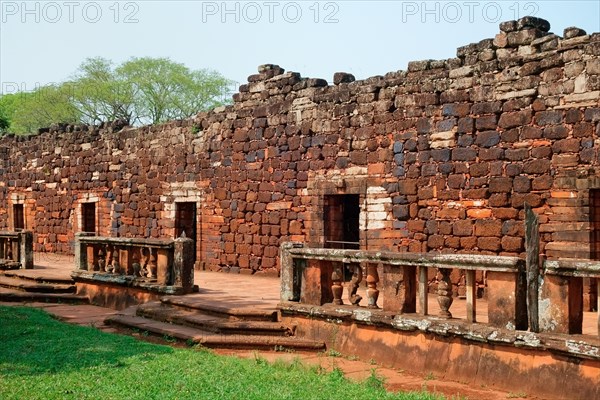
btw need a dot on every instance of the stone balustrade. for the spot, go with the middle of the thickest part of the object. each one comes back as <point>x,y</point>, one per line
<point>161,266</point>
<point>313,276</point>
<point>16,250</point>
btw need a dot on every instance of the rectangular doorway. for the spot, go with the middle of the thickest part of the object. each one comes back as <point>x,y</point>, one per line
<point>185,222</point>
<point>594,245</point>
<point>595,224</point>
<point>88,217</point>
<point>18,217</point>
<point>341,221</point>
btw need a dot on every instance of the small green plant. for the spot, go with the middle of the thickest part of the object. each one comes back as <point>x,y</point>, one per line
<point>169,338</point>
<point>337,374</point>
<point>372,361</point>
<point>195,129</point>
<point>333,353</point>
<point>517,395</point>
<point>375,381</point>
<point>260,360</point>
<point>190,342</point>
<point>430,376</point>
<point>352,358</point>
<point>145,333</point>
<point>283,349</point>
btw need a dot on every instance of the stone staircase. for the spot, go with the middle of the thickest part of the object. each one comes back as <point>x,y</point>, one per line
<point>194,320</point>
<point>23,286</point>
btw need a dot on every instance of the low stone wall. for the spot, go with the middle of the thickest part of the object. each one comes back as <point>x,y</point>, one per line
<point>545,365</point>
<point>117,273</point>
<point>16,250</point>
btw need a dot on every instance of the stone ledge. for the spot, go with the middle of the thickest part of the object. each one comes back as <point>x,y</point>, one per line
<point>579,346</point>
<point>576,268</point>
<point>126,281</point>
<point>9,264</point>
<point>161,243</point>
<point>460,261</point>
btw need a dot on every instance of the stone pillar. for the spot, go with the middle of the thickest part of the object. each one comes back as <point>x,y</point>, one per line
<point>506,300</point>
<point>399,288</point>
<point>125,255</point>
<point>316,283</point>
<point>288,292</point>
<point>163,275</point>
<point>15,248</point>
<point>26,249</point>
<point>183,264</point>
<point>81,252</point>
<point>561,304</point>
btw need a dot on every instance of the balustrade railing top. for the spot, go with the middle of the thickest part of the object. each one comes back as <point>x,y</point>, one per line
<point>462,261</point>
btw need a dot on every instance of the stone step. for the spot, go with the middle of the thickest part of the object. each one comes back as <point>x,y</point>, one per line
<point>27,285</point>
<point>36,276</point>
<point>197,336</point>
<point>224,310</point>
<point>9,265</point>
<point>164,313</point>
<point>29,297</point>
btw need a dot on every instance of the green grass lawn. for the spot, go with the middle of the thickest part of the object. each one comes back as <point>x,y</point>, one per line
<point>41,358</point>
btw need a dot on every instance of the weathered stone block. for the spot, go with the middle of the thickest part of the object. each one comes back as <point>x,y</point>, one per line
<point>399,289</point>
<point>501,185</point>
<point>515,118</point>
<point>316,283</point>
<point>561,304</point>
<point>506,300</point>
<point>462,228</point>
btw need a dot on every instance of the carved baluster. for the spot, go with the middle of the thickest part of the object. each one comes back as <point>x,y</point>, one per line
<point>357,276</point>
<point>423,290</point>
<point>110,252</point>
<point>144,264</point>
<point>445,293</point>
<point>101,263</point>
<point>372,291</point>
<point>2,247</point>
<point>116,261</point>
<point>9,250</point>
<point>471,296</point>
<point>152,265</point>
<point>336,288</point>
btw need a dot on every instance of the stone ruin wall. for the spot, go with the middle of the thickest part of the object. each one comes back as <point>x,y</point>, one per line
<point>443,156</point>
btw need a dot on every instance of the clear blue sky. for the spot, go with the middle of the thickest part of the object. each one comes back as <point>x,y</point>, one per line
<point>42,42</point>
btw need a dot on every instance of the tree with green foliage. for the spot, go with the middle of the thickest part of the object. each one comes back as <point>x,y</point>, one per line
<point>4,122</point>
<point>164,90</point>
<point>40,108</point>
<point>139,91</point>
<point>98,93</point>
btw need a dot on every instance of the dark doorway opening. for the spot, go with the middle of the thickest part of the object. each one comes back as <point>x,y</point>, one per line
<point>594,243</point>
<point>18,217</point>
<point>88,217</point>
<point>341,221</point>
<point>185,222</point>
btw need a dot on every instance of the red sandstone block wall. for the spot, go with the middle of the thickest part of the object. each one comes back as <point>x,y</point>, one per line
<point>443,157</point>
